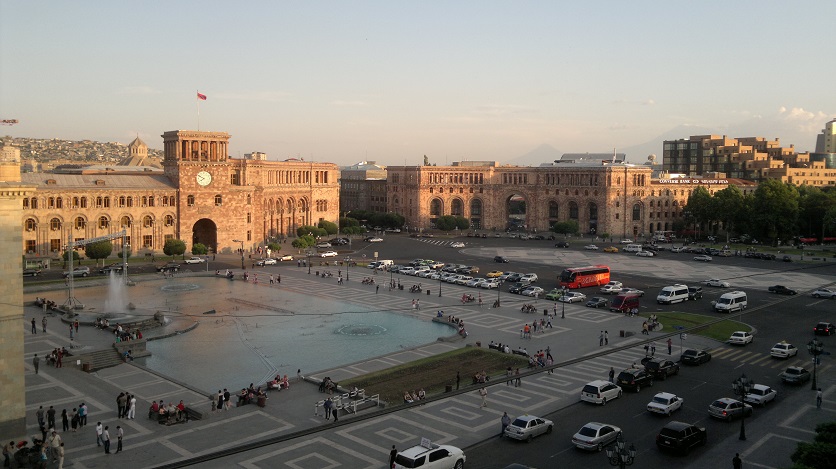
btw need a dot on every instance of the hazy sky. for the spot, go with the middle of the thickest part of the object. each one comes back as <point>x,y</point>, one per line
<point>392,81</point>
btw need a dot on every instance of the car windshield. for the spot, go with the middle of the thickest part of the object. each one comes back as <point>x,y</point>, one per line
<point>588,431</point>
<point>720,404</point>
<point>690,353</point>
<point>407,462</point>
<point>660,400</point>
<point>793,372</point>
<point>724,301</point>
<point>669,432</point>
<point>520,423</point>
<point>759,392</point>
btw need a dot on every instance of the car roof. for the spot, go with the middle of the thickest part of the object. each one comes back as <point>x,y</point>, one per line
<point>726,400</point>
<point>665,395</point>
<point>597,382</point>
<point>597,425</point>
<point>676,425</point>
<point>527,417</point>
<point>760,386</point>
<point>418,450</point>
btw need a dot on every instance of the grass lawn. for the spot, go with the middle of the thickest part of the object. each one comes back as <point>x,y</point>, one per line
<point>433,373</point>
<point>714,328</point>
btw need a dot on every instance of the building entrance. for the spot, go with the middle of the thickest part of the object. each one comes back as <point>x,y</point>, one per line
<point>516,209</point>
<point>205,232</point>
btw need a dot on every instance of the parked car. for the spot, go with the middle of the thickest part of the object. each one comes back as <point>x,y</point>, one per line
<point>494,274</point>
<point>610,249</point>
<point>434,457</point>
<point>501,259</point>
<point>323,245</point>
<point>611,288</point>
<point>457,244</point>
<point>329,254</point>
<point>782,290</point>
<point>703,258</point>
<point>115,267</point>
<point>597,302</point>
<point>634,378</point>
<point>783,350</point>
<point>727,409</point>
<point>591,247</point>
<point>661,368</point>
<point>680,437</point>
<point>526,427</point>
<point>518,288</point>
<point>80,271</point>
<point>572,297</point>
<point>595,436</point>
<point>533,291</point>
<point>561,244</point>
<point>632,291</point>
<point>554,294</point>
<point>31,272</point>
<point>267,261</point>
<point>716,282</point>
<point>645,254</point>
<point>694,357</point>
<point>741,338</point>
<point>371,239</point>
<point>824,328</point>
<point>490,283</point>
<point>694,293</point>
<point>530,278</point>
<point>627,241</point>
<point>795,375</point>
<point>286,257</point>
<point>825,293</point>
<point>600,391</point>
<point>168,267</point>
<point>195,260</point>
<point>760,394</point>
<point>665,403</point>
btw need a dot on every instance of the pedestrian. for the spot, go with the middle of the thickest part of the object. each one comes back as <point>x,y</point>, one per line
<point>418,304</point>
<point>334,414</point>
<point>61,456</point>
<point>271,279</point>
<point>132,407</point>
<point>376,289</point>
<point>504,421</point>
<point>121,400</point>
<point>99,431</point>
<point>606,337</point>
<point>517,380</point>
<point>106,440</point>
<point>392,455</point>
<point>646,350</point>
<point>612,375</point>
<point>484,393</point>
<point>227,400</point>
<point>71,332</point>
<point>82,415</point>
<point>652,349</point>
<point>76,326</point>
<point>458,378</point>
<point>220,404</point>
<point>509,373</point>
<point>279,278</point>
<point>736,462</point>
<point>36,362</point>
<point>328,405</point>
<point>65,420</point>
<point>54,443</point>
<point>119,434</point>
<point>670,345</point>
<point>818,399</point>
<point>601,339</point>
<point>74,420</point>
<point>40,415</point>
<point>43,324</point>
<point>50,417</point>
<point>34,327</point>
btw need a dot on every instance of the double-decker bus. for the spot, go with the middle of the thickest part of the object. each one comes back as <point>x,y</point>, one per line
<point>579,277</point>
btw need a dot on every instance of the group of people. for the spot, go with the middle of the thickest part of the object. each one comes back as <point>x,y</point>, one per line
<point>279,383</point>
<point>167,413</point>
<point>250,395</point>
<point>541,359</point>
<point>650,325</point>
<point>56,356</point>
<point>481,377</point>
<point>327,385</point>
<point>415,396</point>
<point>41,302</point>
<point>126,405</point>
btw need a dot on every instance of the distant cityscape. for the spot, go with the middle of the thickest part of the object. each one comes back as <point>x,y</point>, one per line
<point>43,154</point>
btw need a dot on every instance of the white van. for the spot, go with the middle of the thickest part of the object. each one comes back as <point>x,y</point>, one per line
<point>673,294</point>
<point>633,248</point>
<point>731,301</point>
<point>382,265</point>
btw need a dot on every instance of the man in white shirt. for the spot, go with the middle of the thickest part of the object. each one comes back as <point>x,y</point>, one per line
<point>132,407</point>
<point>99,434</point>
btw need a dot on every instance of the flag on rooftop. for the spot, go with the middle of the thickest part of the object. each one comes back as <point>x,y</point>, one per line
<point>201,97</point>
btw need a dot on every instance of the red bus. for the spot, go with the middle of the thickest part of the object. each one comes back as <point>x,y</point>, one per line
<point>579,277</point>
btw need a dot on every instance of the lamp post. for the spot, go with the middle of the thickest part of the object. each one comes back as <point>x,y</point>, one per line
<point>621,456</point>
<point>563,300</point>
<point>242,251</point>
<point>498,291</point>
<point>347,266</point>
<point>309,261</point>
<point>741,387</point>
<point>439,286</point>
<point>815,347</point>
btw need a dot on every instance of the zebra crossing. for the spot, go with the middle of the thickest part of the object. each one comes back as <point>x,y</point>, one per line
<point>761,359</point>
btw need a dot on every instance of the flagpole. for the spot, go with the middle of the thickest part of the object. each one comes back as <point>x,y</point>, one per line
<point>197,98</point>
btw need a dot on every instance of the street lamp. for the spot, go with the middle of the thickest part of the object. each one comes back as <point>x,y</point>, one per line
<point>242,251</point>
<point>309,261</point>
<point>347,267</point>
<point>498,291</point>
<point>816,348</point>
<point>621,456</point>
<point>563,300</point>
<point>741,387</point>
<point>439,286</point>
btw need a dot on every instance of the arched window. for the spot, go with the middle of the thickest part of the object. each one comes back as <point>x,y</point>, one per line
<point>144,201</point>
<point>573,210</point>
<point>249,199</point>
<point>31,224</point>
<point>190,201</point>
<point>99,202</point>
<point>456,208</point>
<point>34,203</point>
<point>637,212</point>
<point>55,224</point>
<point>84,202</point>
<point>169,220</point>
<point>147,221</point>
<point>104,223</point>
<point>435,208</point>
<point>126,222</point>
<point>219,200</point>
<point>59,203</point>
<point>80,223</point>
<point>25,203</point>
<point>130,201</point>
<point>107,202</point>
<point>476,208</point>
<point>122,200</point>
<point>553,209</point>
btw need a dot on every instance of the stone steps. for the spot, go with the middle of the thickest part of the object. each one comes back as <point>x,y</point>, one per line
<point>99,359</point>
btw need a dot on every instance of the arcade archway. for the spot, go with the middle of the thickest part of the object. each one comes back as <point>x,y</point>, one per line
<point>205,232</point>
<point>515,207</point>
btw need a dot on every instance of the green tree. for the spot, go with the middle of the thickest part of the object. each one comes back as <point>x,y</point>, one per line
<point>76,255</point>
<point>174,247</point>
<point>99,250</point>
<point>199,249</point>
<point>303,242</point>
<point>774,210</point>
<point>814,204</point>
<point>329,227</point>
<point>819,454</point>
<point>314,231</point>
<point>275,247</point>
<point>446,223</point>
<point>346,222</point>
<point>729,206</point>
<point>566,227</point>
<point>604,236</point>
<point>699,205</point>
<point>462,223</point>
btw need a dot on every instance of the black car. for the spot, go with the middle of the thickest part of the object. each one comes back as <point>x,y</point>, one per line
<point>695,357</point>
<point>661,368</point>
<point>824,328</point>
<point>597,302</point>
<point>782,290</point>
<point>538,237</point>
<point>561,244</point>
<point>694,293</point>
<point>116,267</point>
<point>513,278</point>
<point>680,436</point>
<point>500,259</point>
<point>31,272</point>
<point>518,287</point>
<point>634,378</point>
<point>170,267</point>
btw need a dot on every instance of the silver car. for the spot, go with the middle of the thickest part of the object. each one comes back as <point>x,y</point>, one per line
<point>595,436</point>
<point>526,427</point>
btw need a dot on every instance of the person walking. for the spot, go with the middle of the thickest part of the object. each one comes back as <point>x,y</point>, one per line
<point>74,420</point>
<point>818,398</point>
<point>392,455</point>
<point>652,349</point>
<point>119,434</point>
<point>65,420</point>
<point>328,405</point>
<point>82,415</point>
<point>670,345</point>
<point>76,326</point>
<point>36,362</point>
<point>484,393</point>
<point>504,421</point>
<point>227,400</point>
<point>509,373</point>
<point>54,444</point>
<point>34,327</point>
<point>376,289</point>
<point>612,374</point>
<point>517,380</point>
<point>43,323</point>
<point>737,463</point>
<point>99,431</point>
<point>601,339</point>
<point>458,379</point>
<point>106,439</point>
<point>71,332</point>
<point>606,337</point>
<point>132,407</point>
<point>50,417</point>
<point>40,415</point>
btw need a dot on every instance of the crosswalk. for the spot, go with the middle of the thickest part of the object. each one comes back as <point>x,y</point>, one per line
<point>762,359</point>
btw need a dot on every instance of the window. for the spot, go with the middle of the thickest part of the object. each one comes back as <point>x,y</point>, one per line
<point>55,224</point>
<point>34,203</point>
<point>249,199</point>
<point>190,201</point>
<point>249,217</point>
<point>31,224</point>
<point>169,220</point>
<point>435,207</point>
<point>637,212</point>
<point>25,203</point>
<point>553,209</point>
<point>107,202</point>
<point>130,201</point>
<point>59,203</point>
<point>573,210</point>
<point>121,202</point>
<point>54,245</point>
<point>126,222</point>
<point>476,208</point>
<point>104,223</point>
<point>147,241</point>
<point>219,200</point>
<point>249,235</point>
<point>80,223</point>
<point>144,201</point>
<point>147,221</point>
<point>30,246</point>
<point>99,202</point>
<point>84,202</point>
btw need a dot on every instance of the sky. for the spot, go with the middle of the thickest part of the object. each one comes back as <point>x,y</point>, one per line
<point>392,81</point>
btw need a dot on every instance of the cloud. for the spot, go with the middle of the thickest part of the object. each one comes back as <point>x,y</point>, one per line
<point>803,120</point>
<point>502,110</point>
<point>263,96</point>
<point>141,90</point>
<point>644,102</point>
<point>648,102</point>
<point>618,127</point>
<point>349,103</point>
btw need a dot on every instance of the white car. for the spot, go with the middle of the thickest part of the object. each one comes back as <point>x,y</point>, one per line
<point>783,350</point>
<point>716,282</point>
<point>632,291</point>
<point>572,297</point>
<point>286,257</point>
<point>665,403</point>
<point>627,241</point>
<point>591,247</point>
<point>323,245</point>
<point>678,249</point>
<point>595,436</point>
<point>526,427</point>
<point>195,260</point>
<point>528,278</point>
<point>268,261</point>
<point>533,291</point>
<point>612,288</point>
<point>457,244</point>
<point>760,394</point>
<point>434,457</point>
<point>741,338</point>
<point>329,254</point>
<point>703,258</point>
<point>600,391</point>
<point>490,283</point>
<point>825,293</point>
<point>645,254</point>
<point>375,240</point>
<point>474,282</point>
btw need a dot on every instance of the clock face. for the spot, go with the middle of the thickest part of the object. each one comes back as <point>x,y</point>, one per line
<point>204,178</point>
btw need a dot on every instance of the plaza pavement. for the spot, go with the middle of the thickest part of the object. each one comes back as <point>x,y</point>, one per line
<point>357,441</point>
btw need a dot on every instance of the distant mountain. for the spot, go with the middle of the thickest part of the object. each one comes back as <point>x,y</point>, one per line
<point>544,153</point>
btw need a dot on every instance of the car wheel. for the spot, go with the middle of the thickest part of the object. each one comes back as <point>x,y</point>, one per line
<point>816,295</point>
<point>84,274</point>
<point>604,401</point>
<point>619,393</point>
<point>600,447</point>
<point>549,430</point>
<point>459,464</point>
<point>664,376</point>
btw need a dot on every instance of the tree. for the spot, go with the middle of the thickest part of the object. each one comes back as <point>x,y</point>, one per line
<point>329,227</point>
<point>818,454</point>
<point>566,227</point>
<point>199,249</point>
<point>76,255</point>
<point>303,242</point>
<point>346,222</point>
<point>314,231</point>
<point>174,247</point>
<point>699,206</point>
<point>729,206</point>
<point>100,250</point>
<point>462,223</point>
<point>775,210</point>
<point>814,204</point>
<point>446,223</point>
<point>604,236</point>
<point>275,247</point>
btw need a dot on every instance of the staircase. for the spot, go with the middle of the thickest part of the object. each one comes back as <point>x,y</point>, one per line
<point>99,359</point>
